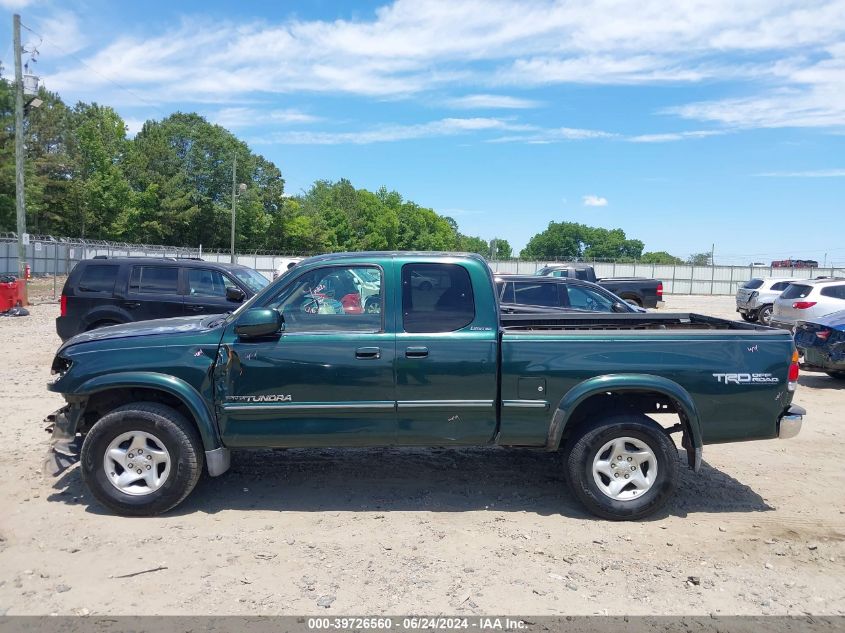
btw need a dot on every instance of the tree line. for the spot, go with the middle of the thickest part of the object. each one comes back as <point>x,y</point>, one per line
<point>172,184</point>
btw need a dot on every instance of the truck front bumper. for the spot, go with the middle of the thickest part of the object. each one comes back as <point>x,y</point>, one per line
<point>65,445</point>
<point>789,424</point>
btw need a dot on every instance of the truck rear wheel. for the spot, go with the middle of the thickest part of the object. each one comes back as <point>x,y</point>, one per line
<point>623,468</point>
<point>142,459</point>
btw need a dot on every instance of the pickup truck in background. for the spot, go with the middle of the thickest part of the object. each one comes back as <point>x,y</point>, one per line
<point>428,364</point>
<point>644,292</point>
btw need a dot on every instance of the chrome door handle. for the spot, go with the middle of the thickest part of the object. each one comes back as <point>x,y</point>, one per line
<point>416,352</point>
<point>365,353</point>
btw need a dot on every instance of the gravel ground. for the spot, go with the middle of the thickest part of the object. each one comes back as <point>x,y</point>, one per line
<point>759,531</point>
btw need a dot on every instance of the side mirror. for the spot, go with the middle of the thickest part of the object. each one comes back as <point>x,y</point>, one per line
<point>259,322</point>
<point>235,294</point>
<point>619,307</point>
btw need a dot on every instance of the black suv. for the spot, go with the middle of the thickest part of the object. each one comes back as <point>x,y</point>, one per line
<point>113,290</point>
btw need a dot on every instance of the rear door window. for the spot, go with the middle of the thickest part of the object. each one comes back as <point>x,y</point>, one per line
<point>98,278</point>
<point>536,294</point>
<point>445,305</point>
<point>781,285</point>
<point>154,280</point>
<point>796,291</point>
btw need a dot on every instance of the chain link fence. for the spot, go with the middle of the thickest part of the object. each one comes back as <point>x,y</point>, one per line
<point>50,256</point>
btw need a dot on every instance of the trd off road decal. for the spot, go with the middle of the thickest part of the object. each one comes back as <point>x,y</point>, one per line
<point>278,397</point>
<point>746,379</point>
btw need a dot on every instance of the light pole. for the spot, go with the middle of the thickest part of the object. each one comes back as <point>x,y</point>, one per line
<point>236,190</point>
<point>20,201</point>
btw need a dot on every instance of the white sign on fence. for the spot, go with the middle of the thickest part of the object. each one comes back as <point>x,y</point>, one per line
<point>38,246</point>
<point>25,239</point>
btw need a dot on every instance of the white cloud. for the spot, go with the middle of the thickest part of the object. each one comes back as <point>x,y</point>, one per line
<point>492,102</point>
<point>818,173</point>
<point>673,136</point>
<point>392,133</point>
<point>61,32</point>
<point>787,57</point>
<point>540,136</point>
<point>594,201</point>
<point>243,117</point>
<point>13,5</point>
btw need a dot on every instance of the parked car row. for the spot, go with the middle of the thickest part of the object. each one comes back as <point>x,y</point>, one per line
<point>646,293</point>
<point>813,309</point>
<point>105,291</point>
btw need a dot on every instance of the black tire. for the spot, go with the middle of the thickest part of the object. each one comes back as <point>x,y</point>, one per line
<point>748,318</point>
<point>764,315</point>
<point>838,375</point>
<point>170,428</point>
<point>582,449</point>
<point>635,300</point>
<point>99,324</point>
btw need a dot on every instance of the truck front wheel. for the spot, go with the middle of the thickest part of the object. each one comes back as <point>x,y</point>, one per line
<point>623,468</point>
<point>142,459</point>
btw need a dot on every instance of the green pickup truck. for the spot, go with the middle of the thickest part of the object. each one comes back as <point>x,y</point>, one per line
<point>410,349</point>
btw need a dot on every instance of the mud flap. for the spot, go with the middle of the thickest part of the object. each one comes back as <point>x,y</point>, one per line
<point>65,445</point>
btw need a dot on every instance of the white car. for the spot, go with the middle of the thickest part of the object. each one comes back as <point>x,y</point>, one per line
<point>756,297</point>
<point>286,265</point>
<point>808,299</point>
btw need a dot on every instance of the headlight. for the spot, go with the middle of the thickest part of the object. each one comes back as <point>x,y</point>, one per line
<point>60,365</point>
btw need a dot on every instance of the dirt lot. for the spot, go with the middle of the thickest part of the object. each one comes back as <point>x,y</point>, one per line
<point>759,530</point>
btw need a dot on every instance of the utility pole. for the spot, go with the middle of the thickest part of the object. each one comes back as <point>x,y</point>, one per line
<point>20,202</point>
<point>234,194</point>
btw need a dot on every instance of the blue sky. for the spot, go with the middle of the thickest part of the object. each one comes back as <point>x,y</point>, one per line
<point>708,123</point>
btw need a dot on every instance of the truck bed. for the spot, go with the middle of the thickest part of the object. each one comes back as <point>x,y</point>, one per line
<point>546,322</point>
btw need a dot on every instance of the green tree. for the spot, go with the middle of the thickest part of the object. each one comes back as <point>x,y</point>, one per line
<point>180,169</point>
<point>501,248</point>
<point>570,240</point>
<point>660,257</point>
<point>97,149</point>
<point>471,244</point>
<point>699,259</point>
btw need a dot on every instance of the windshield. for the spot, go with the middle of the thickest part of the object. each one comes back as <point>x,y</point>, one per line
<point>753,284</point>
<point>253,279</point>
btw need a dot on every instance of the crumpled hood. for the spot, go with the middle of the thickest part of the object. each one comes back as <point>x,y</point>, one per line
<point>176,325</point>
